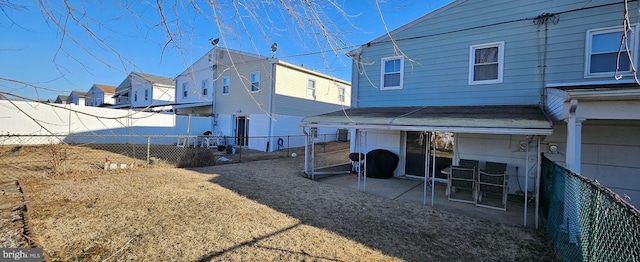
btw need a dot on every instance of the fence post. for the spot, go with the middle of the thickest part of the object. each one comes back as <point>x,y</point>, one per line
<point>324,144</point>
<point>148,149</point>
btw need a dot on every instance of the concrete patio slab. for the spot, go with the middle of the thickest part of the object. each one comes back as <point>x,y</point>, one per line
<point>411,189</point>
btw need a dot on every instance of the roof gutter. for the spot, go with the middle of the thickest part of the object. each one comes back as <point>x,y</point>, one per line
<point>618,94</point>
<point>468,130</point>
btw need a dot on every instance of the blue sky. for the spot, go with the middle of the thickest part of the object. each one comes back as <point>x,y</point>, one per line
<point>129,37</point>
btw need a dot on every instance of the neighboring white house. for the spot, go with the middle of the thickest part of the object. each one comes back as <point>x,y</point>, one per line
<point>61,99</point>
<point>100,95</point>
<point>237,88</point>
<point>144,92</point>
<point>76,98</point>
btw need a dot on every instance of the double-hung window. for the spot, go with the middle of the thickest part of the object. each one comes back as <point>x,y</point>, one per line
<point>205,87</point>
<point>392,73</point>
<point>311,88</point>
<point>185,90</point>
<point>135,96</point>
<point>225,85</point>
<point>255,82</point>
<point>146,94</point>
<point>606,53</point>
<point>486,63</point>
<point>341,94</point>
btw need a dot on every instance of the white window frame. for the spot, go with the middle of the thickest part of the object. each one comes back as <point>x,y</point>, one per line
<point>255,85</point>
<point>185,88</point>
<point>226,85</point>
<point>382,73</point>
<point>632,36</point>
<point>341,94</point>
<point>205,87</point>
<point>472,56</point>
<point>313,89</point>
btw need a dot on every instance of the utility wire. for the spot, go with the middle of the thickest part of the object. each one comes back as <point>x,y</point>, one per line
<point>488,25</point>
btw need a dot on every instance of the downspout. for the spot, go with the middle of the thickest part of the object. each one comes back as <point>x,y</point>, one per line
<point>306,151</point>
<point>272,84</point>
<point>214,95</point>
<point>544,18</point>
<point>355,82</point>
<point>175,94</point>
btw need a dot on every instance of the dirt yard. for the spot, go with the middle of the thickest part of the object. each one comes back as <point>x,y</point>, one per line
<point>252,210</point>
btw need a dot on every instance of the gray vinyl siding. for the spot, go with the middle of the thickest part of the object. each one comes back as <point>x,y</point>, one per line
<point>240,98</point>
<point>610,150</point>
<point>436,67</point>
<point>293,106</point>
<point>291,99</point>
<point>554,107</point>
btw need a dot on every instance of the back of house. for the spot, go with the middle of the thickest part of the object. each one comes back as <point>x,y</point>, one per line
<point>474,62</point>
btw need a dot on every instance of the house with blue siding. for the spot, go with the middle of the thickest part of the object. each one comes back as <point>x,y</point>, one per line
<point>100,95</point>
<point>76,98</point>
<point>503,81</point>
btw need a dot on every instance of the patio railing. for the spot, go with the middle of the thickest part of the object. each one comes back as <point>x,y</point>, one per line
<point>585,221</point>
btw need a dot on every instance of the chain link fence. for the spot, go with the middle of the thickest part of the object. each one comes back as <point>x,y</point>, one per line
<point>586,221</point>
<point>41,155</point>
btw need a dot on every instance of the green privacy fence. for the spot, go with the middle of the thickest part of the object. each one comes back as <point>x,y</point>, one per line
<point>585,221</point>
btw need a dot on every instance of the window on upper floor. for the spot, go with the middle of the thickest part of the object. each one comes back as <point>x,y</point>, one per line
<point>341,94</point>
<point>135,96</point>
<point>146,94</point>
<point>185,90</point>
<point>311,88</point>
<point>205,87</point>
<point>605,51</point>
<point>255,82</point>
<point>486,63</point>
<point>392,73</point>
<point>225,85</point>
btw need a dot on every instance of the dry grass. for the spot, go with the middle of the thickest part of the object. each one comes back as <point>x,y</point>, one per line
<point>19,162</point>
<point>262,210</point>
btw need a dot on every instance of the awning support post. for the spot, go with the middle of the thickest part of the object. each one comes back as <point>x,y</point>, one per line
<point>427,148</point>
<point>538,173</point>
<point>312,133</point>
<point>364,184</point>
<point>433,170</point>
<point>526,183</point>
<point>359,151</point>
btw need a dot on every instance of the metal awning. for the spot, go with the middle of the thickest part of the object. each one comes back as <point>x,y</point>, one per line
<point>123,92</point>
<point>501,119</point>
<point>188,105</point>
<point>498,119</point>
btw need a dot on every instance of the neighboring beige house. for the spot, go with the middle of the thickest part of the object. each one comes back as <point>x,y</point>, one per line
<point>256,100</point>
<point>144,92</point>
<point>100,95</point>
